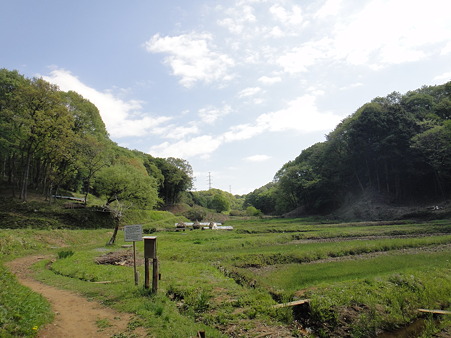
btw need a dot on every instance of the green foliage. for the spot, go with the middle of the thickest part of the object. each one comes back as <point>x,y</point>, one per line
<point>220,203</point>
<point>126,183</point>
<point>196,213</point>
<point>65,253</point>
<point>152,220</point>
<point>54,140</point>
<point>177,178</point>
<point>397,146</point>
<point>216,199</point>
<point>252,211</point>
<point>263,199</point>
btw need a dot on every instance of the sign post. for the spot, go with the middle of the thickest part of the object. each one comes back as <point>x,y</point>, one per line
<point>134,233</point>
<point>150,252</point>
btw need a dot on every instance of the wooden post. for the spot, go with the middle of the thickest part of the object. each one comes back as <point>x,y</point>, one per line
<point>134,263</point>
<point>133,233</point>
<point>146,273</point>
<point>155,275</point>
<point>150,252</point>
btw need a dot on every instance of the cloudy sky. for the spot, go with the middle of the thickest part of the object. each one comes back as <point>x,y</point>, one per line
<point>235,87</point>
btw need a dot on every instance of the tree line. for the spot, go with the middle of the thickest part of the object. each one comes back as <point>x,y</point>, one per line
<point>398,146</point>
<point>52,141</point>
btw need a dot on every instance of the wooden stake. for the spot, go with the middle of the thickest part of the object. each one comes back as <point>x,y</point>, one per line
<point>439,312</point>
<point>155,275</point>
<point>134,263</point>
<point>146,273</point>
<point>296,302</point>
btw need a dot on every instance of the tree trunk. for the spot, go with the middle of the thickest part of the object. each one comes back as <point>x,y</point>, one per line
<point>113,237</point>
<point>24,188</point>
<point>358,180</point>
<point>439,184</point>
<point>387,178</point>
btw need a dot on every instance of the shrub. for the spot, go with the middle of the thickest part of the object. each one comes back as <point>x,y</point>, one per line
<point>65,254</point>
<point>196,213</point>
<point>253,211</point>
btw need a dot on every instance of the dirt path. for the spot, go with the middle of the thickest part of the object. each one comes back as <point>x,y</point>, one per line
<point>75,316</point>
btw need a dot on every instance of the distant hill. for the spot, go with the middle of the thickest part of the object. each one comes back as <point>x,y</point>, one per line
<point>394,150</point>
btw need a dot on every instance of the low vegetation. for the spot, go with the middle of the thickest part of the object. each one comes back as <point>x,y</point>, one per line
<point>22,312</point>
<point>362,278</point>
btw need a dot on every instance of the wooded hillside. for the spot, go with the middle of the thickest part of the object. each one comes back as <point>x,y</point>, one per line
<point>398,146</point>
<point>52,140</point>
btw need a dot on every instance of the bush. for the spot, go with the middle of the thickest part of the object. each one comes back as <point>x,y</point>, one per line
<point>253,211</point>
<point>65,254</point>
<point>196,213</point>
<point>237,213</point>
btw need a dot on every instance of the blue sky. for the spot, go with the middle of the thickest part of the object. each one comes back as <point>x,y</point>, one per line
<point>238,87</point>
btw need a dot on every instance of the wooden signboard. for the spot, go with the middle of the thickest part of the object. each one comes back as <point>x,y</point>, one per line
<point>134,233</point>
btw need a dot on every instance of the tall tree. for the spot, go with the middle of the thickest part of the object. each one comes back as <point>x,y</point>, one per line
<point>177,178</point>
<point>93,155</point>
<point>44,125</point>
<point>125,186</point>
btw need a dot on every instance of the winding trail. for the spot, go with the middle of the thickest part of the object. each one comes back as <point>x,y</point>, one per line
<point>75,316</point>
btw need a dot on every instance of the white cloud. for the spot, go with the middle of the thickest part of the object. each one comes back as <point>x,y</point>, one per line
<point>298,59</point>
<point>443,77</point>
<point>269,80</point>
<point>177,132</point>
<point>300,114</point>
<point>277,32</point>
<point>287,17</point>
<point>257,158</point>
<point>388,32</point>
<point>242,132</point>
<point>122,118</point>
<point>210,114</point>
<point>238,17</point>
<point>198,146</point>
<point>250,91</point>
<point>191,57</point>
<point>330,8</point>
<point>352,85</point>
<point>446,49</point>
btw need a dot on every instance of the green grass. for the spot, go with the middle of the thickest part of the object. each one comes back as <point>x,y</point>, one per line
<point>307,252</point>
<point>294,277</point>
<point>229,280</point>
<point>157,312</point>
<point>380,303</point>
<point>18,242</point>
<point>22,312</point>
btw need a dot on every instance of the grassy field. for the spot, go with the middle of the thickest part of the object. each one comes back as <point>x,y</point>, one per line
<point>361,278</point>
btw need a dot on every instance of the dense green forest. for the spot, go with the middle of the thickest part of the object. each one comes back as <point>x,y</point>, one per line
<point>53,141</point>
<point>398,146</point>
